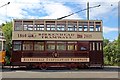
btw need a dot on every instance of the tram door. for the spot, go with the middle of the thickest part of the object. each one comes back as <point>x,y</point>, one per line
<point>96,54</point>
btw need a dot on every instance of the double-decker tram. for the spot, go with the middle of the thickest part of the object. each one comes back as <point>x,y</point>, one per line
<point>47,43</point>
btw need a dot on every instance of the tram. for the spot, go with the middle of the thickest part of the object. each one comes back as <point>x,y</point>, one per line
<point>47,43</point>
<point>2,48</point>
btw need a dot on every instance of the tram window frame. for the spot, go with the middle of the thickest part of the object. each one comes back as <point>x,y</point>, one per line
<point>69,48</point>
<point>59,44</point>
<point>18,26</point>
<point>28,27</point>
<point>93,46</point>
<point>17,43</point>
<point>28,46</point>
<point>83,48</point>
<point>41,46</point>
<point>98,28</point>
<point>97,46</point>
<point>90,46</point>
<point>50,27</point>
<point>101,47</point>
<point>80,28</point>
<point>50,43</point>
<point>70,28</point>
<point>85,28</point>
<point>91,28</point>
<point>60,27</point>
<point>39,27</point>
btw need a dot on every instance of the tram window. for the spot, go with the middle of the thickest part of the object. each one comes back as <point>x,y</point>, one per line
<point>97,46</point>
<point>97,27</point>
<point>28,27</point>
<point>70,28</point>
<point>70,46</point>
<point>85,28</point>
<point>90,46</point>
<point>75,47</point>
<point>80,28</point>
<point>61,47</point>
<point>17,46</point>
<point>100,46</point>
<point>39,46</point>
<point>83,48</point>
<point>18,25</point>
<point>93,46</point>
<point>39,27</point>
<point>91,28</point>
<point>60,27</point>
<point>50,46</point>
<point>27,46</point>
<point>50,27</point>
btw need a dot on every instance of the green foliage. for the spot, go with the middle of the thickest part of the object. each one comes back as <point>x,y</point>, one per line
<point>111,52</point>
<point>7,31</point>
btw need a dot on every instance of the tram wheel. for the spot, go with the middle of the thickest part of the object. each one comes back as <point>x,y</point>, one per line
<point>43,66</point>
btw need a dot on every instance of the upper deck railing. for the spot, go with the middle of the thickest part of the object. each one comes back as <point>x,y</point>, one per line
<point>54,25</point>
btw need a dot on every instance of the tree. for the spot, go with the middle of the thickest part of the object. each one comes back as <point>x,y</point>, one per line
<point>111,53</point>
<point>105,41</point>
<point>7,31</point>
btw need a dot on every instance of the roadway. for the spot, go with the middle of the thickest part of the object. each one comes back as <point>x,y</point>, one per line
<point>107,72</point>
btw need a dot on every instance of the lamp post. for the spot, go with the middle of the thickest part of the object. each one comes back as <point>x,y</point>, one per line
<point>4,4</point>
<point>6,8</point>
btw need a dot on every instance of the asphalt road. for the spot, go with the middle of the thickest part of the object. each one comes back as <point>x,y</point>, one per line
<point>107,72</point>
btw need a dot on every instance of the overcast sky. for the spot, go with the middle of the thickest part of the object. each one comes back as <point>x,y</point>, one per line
<point>53,9</point>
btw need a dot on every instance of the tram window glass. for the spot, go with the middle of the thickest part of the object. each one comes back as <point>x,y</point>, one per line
<point>39,27</point>
<point>75,47</point>
<point>80,28</point>
<point>97,27</point>
<point>90,46</point>
<point>39,46</point>
<point>70,28</point>
<point>18,26</point>
<point>100,46</point>
<point>50,27</point>
<point>93,46</point>
<point>85,28</point>
<point>70,46</point>
<point>28,27</point>
<point>91,28</point>
<point>83,48</point>
<point>97,46</point>
<point>60,27</point>
<point>50,46</point>
<point>17,46</point>
<point>61,45</point>
<point>27,46</point>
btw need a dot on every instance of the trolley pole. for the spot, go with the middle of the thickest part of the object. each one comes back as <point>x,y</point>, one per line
<point>87,10</point>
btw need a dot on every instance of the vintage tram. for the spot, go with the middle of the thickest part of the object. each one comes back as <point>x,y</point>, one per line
<point>47,43</point>
<point>2,48</point>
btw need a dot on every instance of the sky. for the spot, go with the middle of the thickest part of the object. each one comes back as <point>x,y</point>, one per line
<point>53,9</point>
